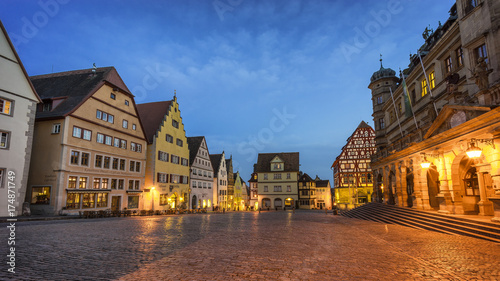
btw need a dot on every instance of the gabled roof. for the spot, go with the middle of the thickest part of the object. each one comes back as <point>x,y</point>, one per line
<point>291,160</point>
<point>305,178</point>
<point>194,144</point>
<point>361,125</point>
<point>322,183</point>
<point>152,116</point>
<point>75,87</point>
<point>18,61</point>
<point>216,160</point>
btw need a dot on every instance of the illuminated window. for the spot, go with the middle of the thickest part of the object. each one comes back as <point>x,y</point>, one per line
<point>40,195</point>
<point>73,201</point>
<point>432,80</point>
<point>97,183</point>
<point>424,87</point>
<point>82,183</point>
<point>72,182</point>
<point>102,200</point>
<point>88,200</point>
<point>5,106</point>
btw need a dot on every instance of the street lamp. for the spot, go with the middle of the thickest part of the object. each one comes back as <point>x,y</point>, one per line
<point>473,151</point>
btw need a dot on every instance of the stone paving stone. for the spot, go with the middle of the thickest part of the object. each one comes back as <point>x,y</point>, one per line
<point>306,245</point>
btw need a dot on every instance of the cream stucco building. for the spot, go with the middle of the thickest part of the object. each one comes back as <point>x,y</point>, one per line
<point>277,179</point>
<point>18,100</point>
<point>89,148</point>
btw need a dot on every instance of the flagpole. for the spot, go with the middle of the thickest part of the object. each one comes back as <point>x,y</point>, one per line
<point>427,80</point>
<point>405,89</point>
<point>396,110</point>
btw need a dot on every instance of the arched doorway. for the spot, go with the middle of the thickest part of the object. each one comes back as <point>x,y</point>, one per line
<point>194,202</point>
<point>433,186</point>
<point>278,203</point>
<point>266,203</point>
<point>289,202</point>
<point>471,191</point>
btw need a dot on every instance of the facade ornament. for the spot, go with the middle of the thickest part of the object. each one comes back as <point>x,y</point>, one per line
<point>481,73</point>
<point>427,33</point>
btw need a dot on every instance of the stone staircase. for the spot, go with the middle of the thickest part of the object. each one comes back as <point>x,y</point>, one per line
<point>426,220</point>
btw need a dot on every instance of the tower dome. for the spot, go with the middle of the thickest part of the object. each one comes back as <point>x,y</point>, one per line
<point>382,72</point>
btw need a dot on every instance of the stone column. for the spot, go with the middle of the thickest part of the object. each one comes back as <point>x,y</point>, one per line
<point>445,202</point>
<point>420,185</point>
<point>485,205</point>
<point>403,184</point>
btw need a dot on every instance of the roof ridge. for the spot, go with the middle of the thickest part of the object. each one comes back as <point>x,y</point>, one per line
<point>77,71</point>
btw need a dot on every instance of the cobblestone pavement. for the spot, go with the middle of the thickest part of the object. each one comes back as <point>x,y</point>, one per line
<point>243,246</point>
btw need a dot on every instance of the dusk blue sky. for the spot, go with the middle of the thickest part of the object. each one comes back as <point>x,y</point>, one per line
<point>251,76</point>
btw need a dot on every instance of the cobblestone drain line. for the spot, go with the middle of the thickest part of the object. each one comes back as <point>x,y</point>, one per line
<point>418,260</point>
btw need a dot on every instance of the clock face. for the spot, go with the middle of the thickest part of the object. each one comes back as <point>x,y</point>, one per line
<point>457,119</point>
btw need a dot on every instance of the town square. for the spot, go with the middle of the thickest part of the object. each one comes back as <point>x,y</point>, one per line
<point>271,245</point>
<point>250,140</point>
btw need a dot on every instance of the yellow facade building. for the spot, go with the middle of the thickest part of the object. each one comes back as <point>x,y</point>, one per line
<point>89,148</point>
<point>167,167</point>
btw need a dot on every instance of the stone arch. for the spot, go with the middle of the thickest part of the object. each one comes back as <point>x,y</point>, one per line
<point>465,203</point>
<point>278,203</point>
<point>194,202</point>
<point>266,203</point>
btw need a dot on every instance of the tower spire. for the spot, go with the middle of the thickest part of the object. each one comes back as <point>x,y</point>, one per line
<point>381,61</point>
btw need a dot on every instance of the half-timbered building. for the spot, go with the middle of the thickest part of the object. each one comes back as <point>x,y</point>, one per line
<point>352,174</point>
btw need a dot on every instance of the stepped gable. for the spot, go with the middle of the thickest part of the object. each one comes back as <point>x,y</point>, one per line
<point>152,116</point>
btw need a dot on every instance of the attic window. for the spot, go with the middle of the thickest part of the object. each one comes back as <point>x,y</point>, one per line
<point>113,96</point>
<point>126,102</point>
<point>47,106</point>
